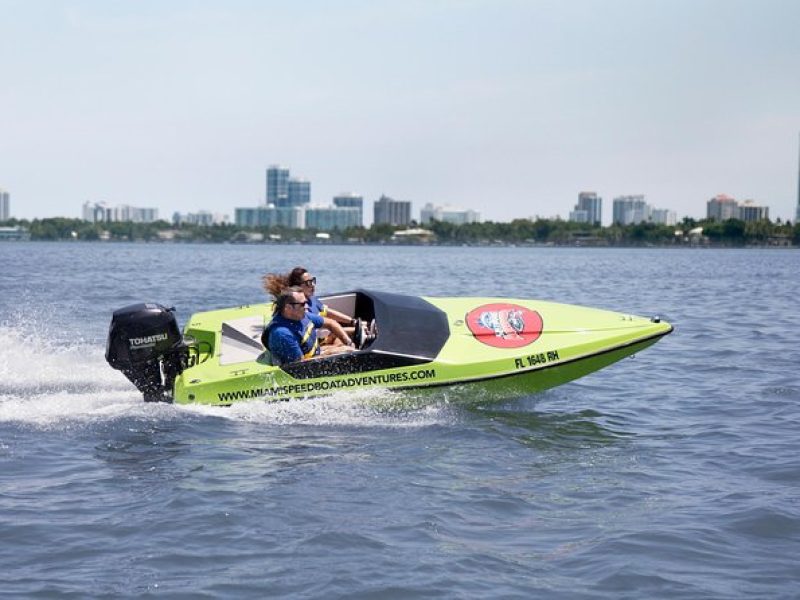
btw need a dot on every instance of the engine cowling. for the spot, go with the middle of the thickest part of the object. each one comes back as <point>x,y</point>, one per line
<point>145,343</point>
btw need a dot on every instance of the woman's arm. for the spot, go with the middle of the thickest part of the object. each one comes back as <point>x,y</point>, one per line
<point>340,317</point>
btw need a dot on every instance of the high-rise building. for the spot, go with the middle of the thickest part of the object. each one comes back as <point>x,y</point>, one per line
<point>288,205</point>
<point>392,212</point>
<point>291,217</point>
<point>578,216</point>
<point>203,218</point>
<point>350,200</point>
<point>448,214</point>
<point>721,208</point>
<point>663,216</point>
<point>277,185</point>
<point>329,218</point>
<point>589,209</point>
<point>299,193</point>
<point>750,212</point>
<point>94,212</point>
<point>5,206</point>
<point>100,212</point>
<point>628,210</point>
<point>284,191</point>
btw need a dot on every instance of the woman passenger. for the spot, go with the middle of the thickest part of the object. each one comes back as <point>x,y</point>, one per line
<point>274,284</point>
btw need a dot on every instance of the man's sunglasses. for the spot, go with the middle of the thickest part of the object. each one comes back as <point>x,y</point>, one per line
<point>296,303</point>
<point>311,281</point>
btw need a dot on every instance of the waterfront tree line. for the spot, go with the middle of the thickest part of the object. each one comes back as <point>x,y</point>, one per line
<point>731,233</point>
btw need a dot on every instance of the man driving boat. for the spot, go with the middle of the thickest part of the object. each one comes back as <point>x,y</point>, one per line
<point>291,335</point>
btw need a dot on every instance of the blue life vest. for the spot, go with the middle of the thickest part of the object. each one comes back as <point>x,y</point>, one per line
<point>315,307</point>
<point>289,341</point>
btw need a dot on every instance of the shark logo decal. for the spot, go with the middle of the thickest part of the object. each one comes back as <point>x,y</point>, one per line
<point>504,325</point>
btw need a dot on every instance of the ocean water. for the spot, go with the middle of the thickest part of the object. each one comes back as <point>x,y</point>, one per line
<point>675,474</point>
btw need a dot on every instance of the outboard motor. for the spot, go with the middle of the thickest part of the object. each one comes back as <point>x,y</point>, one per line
<point>144,342</point>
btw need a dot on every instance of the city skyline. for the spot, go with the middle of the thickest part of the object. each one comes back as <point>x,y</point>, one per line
<point>278,178</point>
<point>287,202</point>
<point>181,107</point>
<point>346,210</point>
<point>626,210</point>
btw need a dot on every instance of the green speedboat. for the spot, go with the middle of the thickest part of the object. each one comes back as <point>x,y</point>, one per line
<point>506,345</point>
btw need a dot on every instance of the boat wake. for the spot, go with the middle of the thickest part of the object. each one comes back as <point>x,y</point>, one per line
<point>362,408</point>
<point>47,385</point>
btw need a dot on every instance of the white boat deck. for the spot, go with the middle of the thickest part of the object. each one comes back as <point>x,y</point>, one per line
<point>241,340</point>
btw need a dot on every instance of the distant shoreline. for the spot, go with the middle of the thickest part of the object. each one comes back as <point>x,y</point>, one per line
<point>676,246</point>
<point>732,233</point>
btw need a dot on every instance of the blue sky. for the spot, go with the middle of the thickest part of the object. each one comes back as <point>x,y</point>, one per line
<point>507,107</point>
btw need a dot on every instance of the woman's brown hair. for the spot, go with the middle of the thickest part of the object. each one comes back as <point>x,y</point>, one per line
<point>274,283</point>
